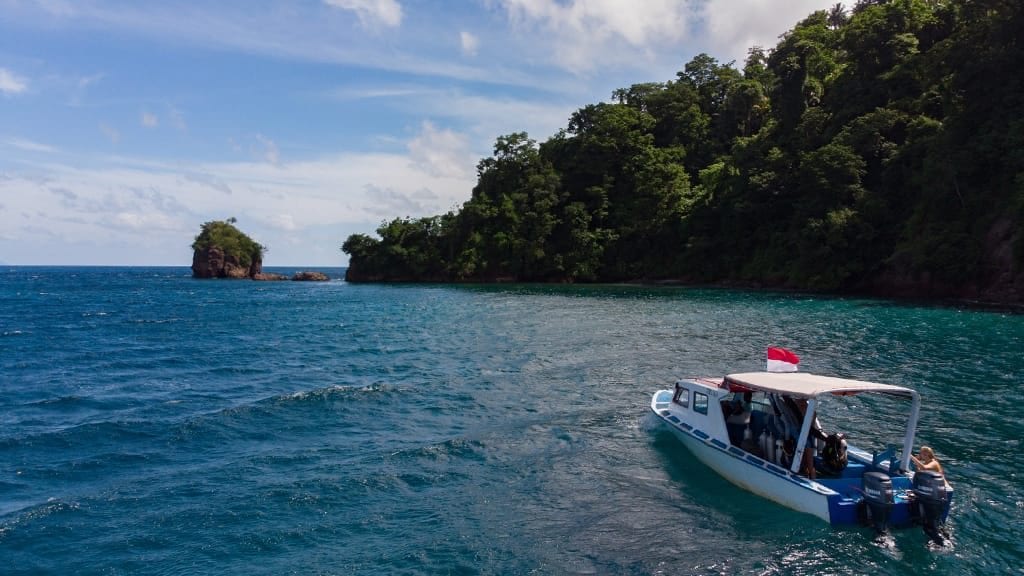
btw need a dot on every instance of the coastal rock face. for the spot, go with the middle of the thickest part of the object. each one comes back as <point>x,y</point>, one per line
<point>306,276</point>
<point>213,263</point>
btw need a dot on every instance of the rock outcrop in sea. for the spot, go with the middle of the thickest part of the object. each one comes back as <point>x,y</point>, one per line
<point>212,262</point>
<point>223,251</point>
<point>308,276</point>
<point>269,277</point>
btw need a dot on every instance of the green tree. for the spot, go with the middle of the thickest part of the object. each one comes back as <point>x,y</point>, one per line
<point>878,147</point>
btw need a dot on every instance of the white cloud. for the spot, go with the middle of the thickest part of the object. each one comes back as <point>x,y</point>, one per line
<point>78,88</point>
<point>303,31</point>
<point>388,203</point>
<point>118,210</point>
<point>177,119</point>
<point>638,24</point>
<point>470,43</point>
<point>266,149</point>
<point>146,222</point>
<point>486,118</point>
<point>350,93</point>
<point>282,222</point>
<point>149,120</point>
<point>372,13</point>
<point>481,118</point>
<point>441,153</point>
<point>111,133</point>
<point>209,180</point>
<point>29,145</point>
<point>583,36</point>
<point>86,81</point>
<point>11,83</point>
<point>57,7</point>
<point>737,25</point>
<point>588,34</point>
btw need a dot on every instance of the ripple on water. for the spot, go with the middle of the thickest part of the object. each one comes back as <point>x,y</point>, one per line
<point>228,427</point>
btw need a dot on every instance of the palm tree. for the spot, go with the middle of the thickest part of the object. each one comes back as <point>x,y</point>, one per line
<point>837,16</point>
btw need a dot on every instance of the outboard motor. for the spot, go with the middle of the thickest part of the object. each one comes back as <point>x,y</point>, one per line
<point>878,497</point>
<point>931,497</point>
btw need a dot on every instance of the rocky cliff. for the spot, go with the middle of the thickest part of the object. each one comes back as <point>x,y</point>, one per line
<point>223,251</point>
<point>212,262</point>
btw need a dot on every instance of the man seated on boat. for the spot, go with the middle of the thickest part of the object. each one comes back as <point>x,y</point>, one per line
<point>815,433</point>
<point>737,416</point>
<point>792,411</point>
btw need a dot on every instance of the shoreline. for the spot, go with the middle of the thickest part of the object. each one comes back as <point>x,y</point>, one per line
<point>971,303</point>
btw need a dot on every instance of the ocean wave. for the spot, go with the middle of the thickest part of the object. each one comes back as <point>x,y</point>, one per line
<point>59,401</point>
<point>458,448</point>
<point>34,512</point>
<point>264,418</point>
<point>151,320</point>
<point>340,391</point>
<point>83,434</point>
<point>224,370</point>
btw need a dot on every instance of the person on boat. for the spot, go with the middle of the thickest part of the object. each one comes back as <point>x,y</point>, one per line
<point>926,460</point>
<point>815,433</point>
<point>738,417</point>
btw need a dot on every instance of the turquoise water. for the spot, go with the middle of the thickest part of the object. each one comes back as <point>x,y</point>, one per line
<point>155,424</point>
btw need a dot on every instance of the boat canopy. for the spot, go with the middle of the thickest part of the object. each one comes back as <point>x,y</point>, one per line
<point>804,385</point>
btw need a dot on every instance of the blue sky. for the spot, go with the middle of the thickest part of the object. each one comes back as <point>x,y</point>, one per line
<point>125,124</point>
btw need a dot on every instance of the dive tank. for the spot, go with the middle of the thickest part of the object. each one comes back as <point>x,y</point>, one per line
<point>931,497</point>
<point>878,497</point>
<point>778,451</point>
<point>762,442</point>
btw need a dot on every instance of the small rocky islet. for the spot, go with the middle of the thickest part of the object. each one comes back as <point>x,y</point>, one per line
<point>223,251</point>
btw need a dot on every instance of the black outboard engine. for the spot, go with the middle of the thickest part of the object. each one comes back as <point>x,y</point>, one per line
<point>931,497</point>
<point>878,497</point>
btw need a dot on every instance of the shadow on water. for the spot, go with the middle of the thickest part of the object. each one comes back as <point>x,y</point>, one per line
<point>777,540</point>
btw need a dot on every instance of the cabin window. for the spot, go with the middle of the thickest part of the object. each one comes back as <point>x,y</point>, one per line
<point>682,396</point>
<point>700,403</point>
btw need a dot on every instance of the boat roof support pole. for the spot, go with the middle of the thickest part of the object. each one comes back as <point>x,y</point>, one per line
<point>805,428</point>
<point>908,440</point>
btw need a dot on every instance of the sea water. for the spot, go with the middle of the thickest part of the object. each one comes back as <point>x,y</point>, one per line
<point>151,423</point>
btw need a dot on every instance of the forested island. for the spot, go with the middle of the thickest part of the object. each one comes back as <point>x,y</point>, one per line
<point>875,150</point>
<point>221,250</point>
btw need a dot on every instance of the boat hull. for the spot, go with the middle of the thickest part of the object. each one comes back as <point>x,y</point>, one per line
<point>746,470</point>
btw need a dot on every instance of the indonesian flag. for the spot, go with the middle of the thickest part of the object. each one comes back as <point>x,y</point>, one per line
<point>781,360</point>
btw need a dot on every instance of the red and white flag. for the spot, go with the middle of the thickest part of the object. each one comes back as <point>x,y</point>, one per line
<point>781,360</point>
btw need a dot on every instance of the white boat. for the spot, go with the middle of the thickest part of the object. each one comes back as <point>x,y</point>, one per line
<point>861,487</point>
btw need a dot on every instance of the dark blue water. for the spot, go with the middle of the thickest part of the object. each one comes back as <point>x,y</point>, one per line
<point>155,424</point>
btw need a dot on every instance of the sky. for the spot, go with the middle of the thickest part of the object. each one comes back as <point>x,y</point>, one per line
<point>126,124</point>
